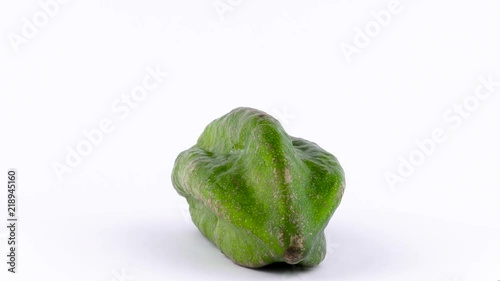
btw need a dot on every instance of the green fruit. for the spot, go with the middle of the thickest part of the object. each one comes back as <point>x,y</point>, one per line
<point>259,194</point>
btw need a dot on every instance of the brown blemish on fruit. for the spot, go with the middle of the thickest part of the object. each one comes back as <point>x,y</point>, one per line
<point>288,176</point>
<point>280,238</point>
<point>293,255</point>
<point>295,252</point>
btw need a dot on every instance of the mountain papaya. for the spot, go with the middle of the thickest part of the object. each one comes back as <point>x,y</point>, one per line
<point>260,195</point>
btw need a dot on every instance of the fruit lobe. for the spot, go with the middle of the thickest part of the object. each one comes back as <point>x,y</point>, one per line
<point>259,194</point>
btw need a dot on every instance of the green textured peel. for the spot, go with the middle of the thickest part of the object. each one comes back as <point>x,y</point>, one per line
<point>259,194</point>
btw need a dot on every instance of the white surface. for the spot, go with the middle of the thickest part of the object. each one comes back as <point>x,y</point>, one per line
<point>117,212</point>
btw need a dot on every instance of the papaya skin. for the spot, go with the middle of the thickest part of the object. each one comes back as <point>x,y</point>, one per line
<point>260,195</point>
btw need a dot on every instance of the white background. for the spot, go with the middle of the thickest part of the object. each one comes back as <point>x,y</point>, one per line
<point>116,216</point>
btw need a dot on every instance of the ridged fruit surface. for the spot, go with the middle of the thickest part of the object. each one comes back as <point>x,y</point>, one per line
<point>259,194</point>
